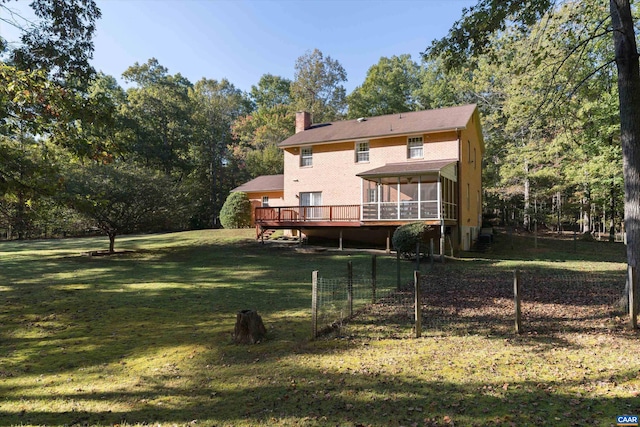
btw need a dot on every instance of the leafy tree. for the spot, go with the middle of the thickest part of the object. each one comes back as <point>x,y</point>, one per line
<point>257,136</point>
<point>123,198</point>
<point>160,108</point>
<point>217,104</point>
<point>105,128</point>
<point>470,36</point>
<point>270,92</point>
<point>27,174</point>
<point>61,42</point>
<point>236,211</point>
<point>390,87</point>
<point>317,87</point>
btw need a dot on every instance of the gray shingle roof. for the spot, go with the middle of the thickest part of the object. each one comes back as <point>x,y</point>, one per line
<point>442,119</point>
<point>406,168</point>
<point>262,183</point>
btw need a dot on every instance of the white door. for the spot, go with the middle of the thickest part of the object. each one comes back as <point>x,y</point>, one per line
<point>313,198</point>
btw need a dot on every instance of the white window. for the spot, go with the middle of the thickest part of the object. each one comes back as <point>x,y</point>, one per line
<point>414,147</point>
<point>306,156</point>
<point>372,195</point>
<point>265,201</point>
<point>362,152</point>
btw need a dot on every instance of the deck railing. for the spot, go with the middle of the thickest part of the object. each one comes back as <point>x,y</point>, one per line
<point>405,210</point>
<point>308,213</point>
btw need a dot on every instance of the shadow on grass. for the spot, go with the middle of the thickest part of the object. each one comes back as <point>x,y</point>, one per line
<point>549,247</point>
<point>366,397</point>
<point>66,315</point>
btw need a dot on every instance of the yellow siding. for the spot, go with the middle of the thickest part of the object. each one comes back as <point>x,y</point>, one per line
<point>470,173</point>
<point>276,198</point>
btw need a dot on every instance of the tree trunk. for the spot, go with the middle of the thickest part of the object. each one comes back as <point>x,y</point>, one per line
<point>612,211</point>
<point>527,203</point>
<point>586,213</point>
<point>559,211</point>
<point>629,95</point>
<point>112,241</point>
<point>249,328</point>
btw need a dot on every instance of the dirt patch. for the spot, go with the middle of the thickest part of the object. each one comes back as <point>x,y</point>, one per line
<point>105,252</point>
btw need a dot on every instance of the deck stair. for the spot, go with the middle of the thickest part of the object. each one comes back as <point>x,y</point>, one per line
<point>264,233</point>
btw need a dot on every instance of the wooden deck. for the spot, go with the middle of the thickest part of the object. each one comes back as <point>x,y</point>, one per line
<point>349,215</point>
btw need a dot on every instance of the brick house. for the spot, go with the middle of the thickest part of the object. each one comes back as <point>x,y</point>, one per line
<point>360,179</point>
<point>263,191</point>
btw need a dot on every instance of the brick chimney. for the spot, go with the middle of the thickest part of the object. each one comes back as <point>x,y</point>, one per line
<point>303,121</point>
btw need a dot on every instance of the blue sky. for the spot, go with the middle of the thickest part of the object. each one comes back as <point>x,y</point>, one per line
<point>242,40</point>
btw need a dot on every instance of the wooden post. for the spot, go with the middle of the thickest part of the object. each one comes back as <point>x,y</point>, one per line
<point>516,295</point>
<point>633,297</point>
<point>418,256</point>
<point>398,269</point>
<point>442,242</point>
<point>340,247</point>
<point>314,304</point>
<point>431,252</point>
<point>388,241</point>
<point>374,278</point>
<point>350,287</point>
<point>418,303</point>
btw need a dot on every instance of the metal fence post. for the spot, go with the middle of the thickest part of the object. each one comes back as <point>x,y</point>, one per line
<point>418,303</point>
<point>314,303</point>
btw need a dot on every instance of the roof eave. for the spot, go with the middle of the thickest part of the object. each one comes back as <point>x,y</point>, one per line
<point>384,135</point>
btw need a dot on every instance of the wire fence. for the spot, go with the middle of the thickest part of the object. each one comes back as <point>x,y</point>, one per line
<point>335,301</point>
<point>474,301</point>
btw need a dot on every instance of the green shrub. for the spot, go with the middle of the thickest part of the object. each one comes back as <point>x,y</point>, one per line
<point>236,211</point>
<point>407,236</point>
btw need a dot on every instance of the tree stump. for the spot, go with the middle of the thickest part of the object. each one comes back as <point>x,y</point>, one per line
<point>249,327</point>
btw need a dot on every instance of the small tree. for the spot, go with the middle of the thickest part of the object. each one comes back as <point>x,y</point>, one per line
<point>407,236</point>
<point>236,211</point>
<point>123,198</point>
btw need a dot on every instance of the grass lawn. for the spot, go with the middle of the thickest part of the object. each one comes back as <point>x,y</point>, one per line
<point>144,337</point>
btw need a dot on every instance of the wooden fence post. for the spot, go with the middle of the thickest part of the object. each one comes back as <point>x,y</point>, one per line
<point>350,287</point>
<point>418,303</point>
<point>633,297</point>
<point>398,269</point>
<point>374,278</point>
<point>517,300</point>
<point>314,303</point>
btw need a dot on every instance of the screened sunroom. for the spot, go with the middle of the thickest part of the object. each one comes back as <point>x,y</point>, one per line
<point>410,191</point>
